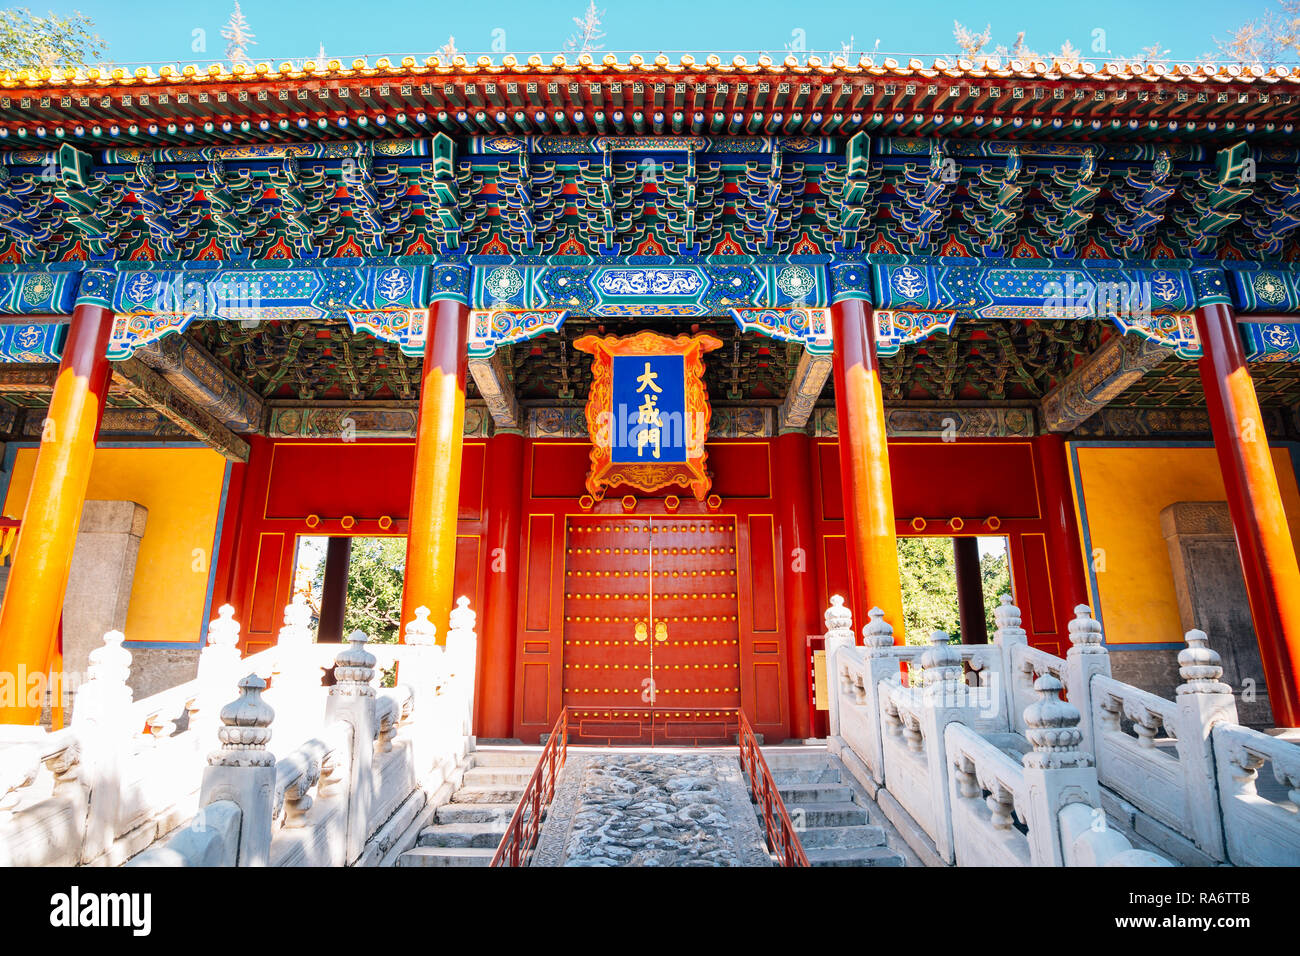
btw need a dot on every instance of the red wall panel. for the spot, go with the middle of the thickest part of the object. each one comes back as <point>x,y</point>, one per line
<point>286,482</point>
<point>935,482</point>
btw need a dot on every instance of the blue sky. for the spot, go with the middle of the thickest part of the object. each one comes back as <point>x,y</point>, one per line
<point>159,31</point>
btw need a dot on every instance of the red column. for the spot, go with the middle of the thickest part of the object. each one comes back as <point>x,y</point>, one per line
<point>435,485</point>
<point>334,591</point>
<point>496,670</point>
<point>793,467</point>
<point>1069,575</point>
<point>864,468</point>
<point>1268,558</point>
<point>33,600</point>
<point>970,590</point>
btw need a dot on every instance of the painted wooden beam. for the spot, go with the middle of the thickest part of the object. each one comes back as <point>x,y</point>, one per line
<point>136,380</point>
<point>805,388</point>
<point>206,383</point>
<point>497,391</point>
<point>1121,361</point>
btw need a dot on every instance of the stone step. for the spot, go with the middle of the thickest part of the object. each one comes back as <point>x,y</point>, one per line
<point>490,776</point>
<point>507,757</point>
<point>830,837</point>
<point>475,813</point>
<point>853,856</point>
<point>447,856</point>
<point>827,815</point>
<point>806,793</point>
<point>487,834</point>
<point>810,775</point>
<point>496,793</point>
<point>793,758</point>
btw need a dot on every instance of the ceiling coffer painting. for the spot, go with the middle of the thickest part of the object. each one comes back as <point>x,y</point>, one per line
<point>648,411</point>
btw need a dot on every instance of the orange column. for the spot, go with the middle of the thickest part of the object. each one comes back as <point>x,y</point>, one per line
<point>435,486</point>
<point>33,600</point>
<point>864,468</point>
<point>1268,558</point>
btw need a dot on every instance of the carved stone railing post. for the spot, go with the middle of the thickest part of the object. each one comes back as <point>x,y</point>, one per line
<point>243,770</point>
<point>880,664</point>
<point>462,656</point>
<point>1007,636</point>
<point>296,690</point>
<point>219,669</point>
<point>1203,701</point>
<point>352,700</point>
<point>946,699</point>
<point>100,718</point>
<point>1057,772</point>
<point>839,633</point>
<point>421,670</point>
<point>1086,658</point>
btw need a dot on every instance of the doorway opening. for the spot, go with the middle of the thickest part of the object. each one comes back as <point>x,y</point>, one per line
<point>952,584</point>
<point>352,584</point>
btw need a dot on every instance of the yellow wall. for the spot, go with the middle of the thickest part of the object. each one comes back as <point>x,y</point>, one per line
<point>1123,492</point>
<point>181,487</point>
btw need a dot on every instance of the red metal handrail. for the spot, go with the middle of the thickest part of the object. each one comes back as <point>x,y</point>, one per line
<point>526,823</point>
<point>782,838</point>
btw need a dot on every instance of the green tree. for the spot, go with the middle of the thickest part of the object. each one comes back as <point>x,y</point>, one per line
<point>928,575</point>
<point>28,41</point>
<point>995,574</point>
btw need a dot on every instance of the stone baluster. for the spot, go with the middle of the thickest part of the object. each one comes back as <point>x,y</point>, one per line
<point>945,699</point>
<point>1007,636</point>
<point>1057,772</point>
<point>106,739</point>
<point>352,700</point>
<point>963,768</point>
<point>1202,700</point>
<point>387,715</point>
<point>1002,806</point>
<point>242,771</point>
<point>1086,658</point>
<point>297,796</point>
<point>839,633</point>
<point>462,657</point>
<point>19,766</point>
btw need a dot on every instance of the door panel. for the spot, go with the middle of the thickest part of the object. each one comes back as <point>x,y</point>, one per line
<point>607,633</point>
<point>696,633</point>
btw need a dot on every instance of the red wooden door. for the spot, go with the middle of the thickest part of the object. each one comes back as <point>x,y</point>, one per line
<point>651,632</point>
<point>608,681</point>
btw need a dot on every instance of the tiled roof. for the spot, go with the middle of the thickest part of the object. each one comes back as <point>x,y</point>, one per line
<point>660,66</point>
<point>587,95</point>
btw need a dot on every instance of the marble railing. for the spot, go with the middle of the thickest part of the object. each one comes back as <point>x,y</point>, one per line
<point>954,738</point>
<point>305,774</point>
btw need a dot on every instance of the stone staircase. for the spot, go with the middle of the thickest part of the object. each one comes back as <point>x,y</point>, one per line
<point>838,824</point>
<point>467,829</point>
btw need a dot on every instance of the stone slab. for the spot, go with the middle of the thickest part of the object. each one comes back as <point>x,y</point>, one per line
<point>634,808</point>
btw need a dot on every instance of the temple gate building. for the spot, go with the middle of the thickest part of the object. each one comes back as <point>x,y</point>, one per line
<point>649,359</point>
